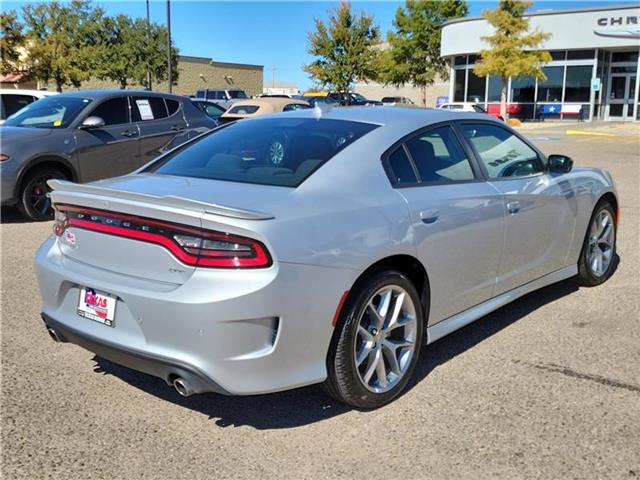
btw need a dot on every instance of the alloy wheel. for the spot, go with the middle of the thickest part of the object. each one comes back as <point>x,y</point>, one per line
<point>386,337</point>
<point>601,243</point>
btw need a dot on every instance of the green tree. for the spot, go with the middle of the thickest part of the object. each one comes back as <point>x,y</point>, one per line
<point>11,42</point>
<point>61,39</point>
<point>413,55</point>
<point>128,49</point>
<point>344,49</point>
<point>512,51</point>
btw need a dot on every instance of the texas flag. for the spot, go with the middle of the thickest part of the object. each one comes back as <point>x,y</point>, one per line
<point>557,109</point>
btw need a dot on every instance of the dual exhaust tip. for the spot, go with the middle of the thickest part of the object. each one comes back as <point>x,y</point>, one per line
<point>182,386</point>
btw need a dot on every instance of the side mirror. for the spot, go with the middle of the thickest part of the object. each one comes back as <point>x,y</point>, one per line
<point>92,122</point>
<point>559,163</point>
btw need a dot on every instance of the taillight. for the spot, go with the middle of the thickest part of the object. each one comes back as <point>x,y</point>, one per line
<point>60,222</point>
<point>191,245</point>
<point>4,157</point>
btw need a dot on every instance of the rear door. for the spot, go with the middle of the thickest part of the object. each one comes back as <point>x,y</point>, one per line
<point>161,125</point>
<point>539,208</point>
<point>458,218</point>
<point>111,150</point>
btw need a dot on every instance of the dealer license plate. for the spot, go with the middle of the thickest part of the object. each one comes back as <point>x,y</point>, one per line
<point>97,306</point>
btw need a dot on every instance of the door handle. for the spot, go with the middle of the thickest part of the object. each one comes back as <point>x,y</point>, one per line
<point>429,216</point>
<point>513,207</point>
<point>177,128</point>
<point>129,133</point>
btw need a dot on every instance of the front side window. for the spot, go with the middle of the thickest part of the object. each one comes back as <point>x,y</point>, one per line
<point>501,152</point>
<point>55,111</point>
<point>267,151</point>
<point>114,111</point>
<point>438,157</point>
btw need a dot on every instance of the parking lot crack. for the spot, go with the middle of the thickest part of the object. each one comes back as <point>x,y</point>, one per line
<point>551,367</point>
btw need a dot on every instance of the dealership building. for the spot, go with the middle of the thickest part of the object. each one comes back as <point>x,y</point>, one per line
<point>593,73</point>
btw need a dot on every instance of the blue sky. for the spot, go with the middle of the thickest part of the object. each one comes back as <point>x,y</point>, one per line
<point>273,34</point>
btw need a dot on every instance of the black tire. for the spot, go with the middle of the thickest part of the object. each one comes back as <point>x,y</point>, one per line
<point>34,202</point>
<point>587,276</point>
<point>345,381</point>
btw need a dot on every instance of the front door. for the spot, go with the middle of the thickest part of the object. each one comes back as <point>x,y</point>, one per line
<point>622,88</point>
<point>111,150</point>
<point>539,207</point>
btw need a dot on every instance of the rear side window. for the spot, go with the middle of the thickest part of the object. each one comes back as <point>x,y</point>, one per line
<point>401,170</point>
<point>147,108</point>
<point>501,152</point>
<point>438,157</point>
<point>266,151</point>
<point>172,106</point>
<point>237,94</point>
<point>114,111</point>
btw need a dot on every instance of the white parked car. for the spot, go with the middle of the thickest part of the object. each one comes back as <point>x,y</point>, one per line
<point>13,99</point>
<point>467,107</point>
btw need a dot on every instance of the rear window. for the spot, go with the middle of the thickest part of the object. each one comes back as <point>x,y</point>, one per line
<point>244,109</point>
<point>270,151</point>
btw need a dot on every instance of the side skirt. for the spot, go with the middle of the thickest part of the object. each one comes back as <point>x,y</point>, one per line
<point>451,324</point>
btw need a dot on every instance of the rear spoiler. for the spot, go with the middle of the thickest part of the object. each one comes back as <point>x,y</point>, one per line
<point>84,190</point>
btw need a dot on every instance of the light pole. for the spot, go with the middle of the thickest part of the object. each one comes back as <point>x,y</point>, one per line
<point>147,38</point>
<point>169,43</point>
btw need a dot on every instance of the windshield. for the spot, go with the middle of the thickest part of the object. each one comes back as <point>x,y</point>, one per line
<point>237,94</point>
<point>270,151</point>
<point>50,112</point>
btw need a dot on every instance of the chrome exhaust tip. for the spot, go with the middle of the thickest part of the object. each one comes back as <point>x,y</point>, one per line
<point>182,387</point>
<point>54,335</point>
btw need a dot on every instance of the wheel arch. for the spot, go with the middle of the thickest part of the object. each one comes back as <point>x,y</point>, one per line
<point>612,199</point>
<point>411,267</point>
<point>44,161</point>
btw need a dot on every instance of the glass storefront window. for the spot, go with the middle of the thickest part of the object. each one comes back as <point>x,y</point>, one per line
<point>624,56</point>
<point>581,54</point>
<point>460,60</point>
<point>578,84</point>
<point>458,86</point>
<point>494,89</point>
<point>558,54</point>
<point>523,89</point>
<point>475,88</point>
<point>551,89</point>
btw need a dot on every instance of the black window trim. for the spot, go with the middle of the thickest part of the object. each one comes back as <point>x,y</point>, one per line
<point>478,173</point>
<point>540,157</point>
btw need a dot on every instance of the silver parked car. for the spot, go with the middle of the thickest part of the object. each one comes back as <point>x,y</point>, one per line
<point>311,247</point>
<point>88,135</point>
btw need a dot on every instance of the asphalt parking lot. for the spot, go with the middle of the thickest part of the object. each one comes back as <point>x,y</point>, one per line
<point>547,387</point>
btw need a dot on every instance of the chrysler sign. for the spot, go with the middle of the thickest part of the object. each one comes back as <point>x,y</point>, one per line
<point>619,27</point>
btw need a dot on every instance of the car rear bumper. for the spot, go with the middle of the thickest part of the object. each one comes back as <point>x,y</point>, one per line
<point>141,361</point>
<point>233,331</point>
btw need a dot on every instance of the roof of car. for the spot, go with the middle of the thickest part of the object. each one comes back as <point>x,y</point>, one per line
<point>266,105</point>
<point>97,94</point>
<point>404,117</point>
<point>26,91</point>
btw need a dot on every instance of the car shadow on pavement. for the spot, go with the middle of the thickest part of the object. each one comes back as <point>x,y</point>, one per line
<point>12,215</point>
<point>307,405</point>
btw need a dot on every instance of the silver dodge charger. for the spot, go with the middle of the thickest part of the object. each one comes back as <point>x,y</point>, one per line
<point>317,247</point>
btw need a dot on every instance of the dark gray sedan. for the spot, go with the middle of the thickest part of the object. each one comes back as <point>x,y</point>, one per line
<point>88,135</point>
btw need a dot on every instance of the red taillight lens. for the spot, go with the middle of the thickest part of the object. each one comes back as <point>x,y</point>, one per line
<point>191,245</point>
<point>60,223</point>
